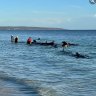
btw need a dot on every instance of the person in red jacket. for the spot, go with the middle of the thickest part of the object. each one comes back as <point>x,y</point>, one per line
<point>29,40</point>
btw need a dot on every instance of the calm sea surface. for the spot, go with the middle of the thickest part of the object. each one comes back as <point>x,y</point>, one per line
<point>33,70</point>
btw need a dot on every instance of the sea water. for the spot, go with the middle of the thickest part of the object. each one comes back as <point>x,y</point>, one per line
<point>36,70</point>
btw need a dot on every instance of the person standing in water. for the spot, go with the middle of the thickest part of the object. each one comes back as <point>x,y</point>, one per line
<point>12,38</point>
<point>16,39</point>
<point>29,40</point>
<point>64,45</point>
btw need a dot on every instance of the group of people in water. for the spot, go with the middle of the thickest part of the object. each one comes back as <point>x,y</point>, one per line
<point>52,43</point>
<point>14,39</point>
<point>77,54</point>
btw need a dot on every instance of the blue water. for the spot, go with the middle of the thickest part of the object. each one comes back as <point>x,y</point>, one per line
<point>31,70</point>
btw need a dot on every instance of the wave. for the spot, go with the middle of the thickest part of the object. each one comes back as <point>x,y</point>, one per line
<point>28,87</point>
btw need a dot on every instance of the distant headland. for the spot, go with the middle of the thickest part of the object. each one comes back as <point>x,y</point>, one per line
<point>28,28</point>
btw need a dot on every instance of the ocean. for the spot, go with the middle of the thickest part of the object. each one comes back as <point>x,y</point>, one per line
<point>36,70</point>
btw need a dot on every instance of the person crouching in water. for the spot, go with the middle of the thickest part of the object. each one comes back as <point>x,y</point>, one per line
<point>16,39</point>
<point>29,40</point>
<point>12,38</point>
<point>64,45</point>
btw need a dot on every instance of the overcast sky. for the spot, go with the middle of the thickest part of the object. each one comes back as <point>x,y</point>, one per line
<point>68,14</point>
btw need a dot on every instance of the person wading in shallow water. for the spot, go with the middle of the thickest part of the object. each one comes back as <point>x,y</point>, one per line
<point>12,38</point>
<point>16,39</point>
<point>64,45</point>
<point>29,40</point>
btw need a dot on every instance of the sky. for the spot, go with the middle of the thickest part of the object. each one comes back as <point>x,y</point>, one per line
<point>67,14</point>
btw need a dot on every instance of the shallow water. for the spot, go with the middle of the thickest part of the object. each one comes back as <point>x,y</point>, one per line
<point>44,70</point>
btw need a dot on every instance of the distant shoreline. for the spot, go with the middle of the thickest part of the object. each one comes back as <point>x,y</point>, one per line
<point>22,28</point>
<point>28,28</point>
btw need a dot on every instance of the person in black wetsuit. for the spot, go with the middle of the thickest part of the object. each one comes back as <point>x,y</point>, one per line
<point>78,55</point>
<point>65,44</point>
<point>16,39</point>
